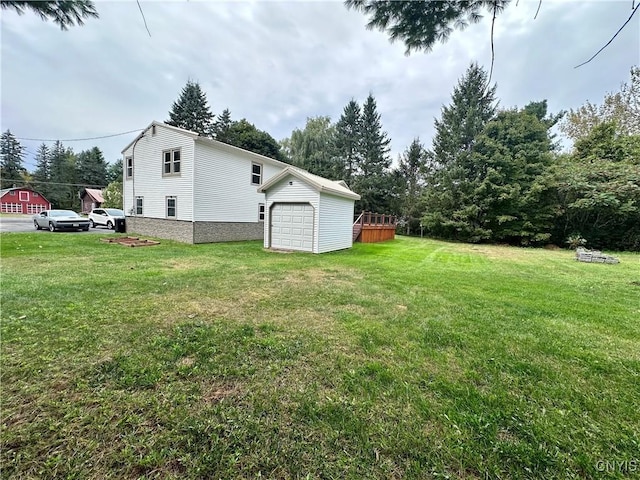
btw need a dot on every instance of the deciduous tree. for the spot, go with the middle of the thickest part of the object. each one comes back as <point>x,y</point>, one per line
<point>313,148</point>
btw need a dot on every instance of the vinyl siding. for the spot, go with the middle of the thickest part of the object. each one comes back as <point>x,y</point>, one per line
<point>148,181</point>
<point>298,192</point>
<point>222,185</point>
<point>336,223</point>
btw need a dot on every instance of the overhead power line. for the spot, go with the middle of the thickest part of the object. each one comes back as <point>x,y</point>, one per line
<point>78,139</point>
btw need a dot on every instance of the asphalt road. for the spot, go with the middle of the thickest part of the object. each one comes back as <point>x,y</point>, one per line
<point>24,223</point>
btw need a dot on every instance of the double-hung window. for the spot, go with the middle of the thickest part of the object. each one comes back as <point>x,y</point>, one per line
<point>261,212</point>
<point>129,162</point>
<point>139,205</point>
<point>172,207</point>
<point>256,173</point>
<point>171,162</point>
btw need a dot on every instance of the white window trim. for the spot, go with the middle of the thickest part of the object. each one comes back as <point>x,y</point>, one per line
<point>172,162</point>
<point>128,169</point>
<point>261,172</point>
<point>135,205</point>
<point>24,196</point>
<point>261,212</point>
<point>175,207</point>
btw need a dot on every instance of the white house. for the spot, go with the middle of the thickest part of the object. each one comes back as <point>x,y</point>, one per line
<point>182,186</point>
<point>307,212</point>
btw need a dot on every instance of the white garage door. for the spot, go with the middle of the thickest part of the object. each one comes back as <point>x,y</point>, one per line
<point>292,226</point>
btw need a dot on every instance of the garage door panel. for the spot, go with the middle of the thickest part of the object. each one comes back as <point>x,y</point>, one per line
<point>292,226</point>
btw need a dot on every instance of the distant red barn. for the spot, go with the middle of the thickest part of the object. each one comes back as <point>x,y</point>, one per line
<point>22,200</point>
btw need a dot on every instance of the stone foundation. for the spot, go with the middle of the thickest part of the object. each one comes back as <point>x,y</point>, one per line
<point>177,230</point>
<point>207,232</point>
<point>198,232</point>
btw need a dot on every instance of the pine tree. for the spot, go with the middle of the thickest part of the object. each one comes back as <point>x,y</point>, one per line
<point>42,173</point>
<point>348,139</point>
<point>191,111</point>
<point>472,106</point>
<point>412,169</point>
<point>222,126</point>
<point>373,181</point>
<point>64,192</point>
<point>91,168</point>
<point>11,168</point>
<point>65,13</point>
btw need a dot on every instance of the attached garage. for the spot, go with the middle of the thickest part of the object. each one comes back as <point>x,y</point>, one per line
<point>307,213</point>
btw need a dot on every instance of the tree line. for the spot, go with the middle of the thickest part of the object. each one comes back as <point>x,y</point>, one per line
<point>59,173</point>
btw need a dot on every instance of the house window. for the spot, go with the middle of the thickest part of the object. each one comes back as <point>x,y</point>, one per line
<point>35,195</point>
<point>172,203</point>
<point>261,212</point>
<point>139,205</point>
<point>256,173</point>
<point>12,193</point>
<point>171,162</point>
<point>24,196</point>
<point>129,162</point>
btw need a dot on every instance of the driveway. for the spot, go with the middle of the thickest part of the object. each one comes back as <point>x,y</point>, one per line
<point>24,223</point>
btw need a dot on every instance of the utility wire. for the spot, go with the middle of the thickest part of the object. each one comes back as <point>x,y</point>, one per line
<point>78,139</point>
<point>612,38</point>
<point>143,19</point>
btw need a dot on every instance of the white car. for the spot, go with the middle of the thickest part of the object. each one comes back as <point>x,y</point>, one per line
<point>105,216</point>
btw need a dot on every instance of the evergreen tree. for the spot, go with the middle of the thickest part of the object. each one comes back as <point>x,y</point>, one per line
<point>42,173</point>
<point>411,171</point>
<point>11,168</point>
<point>313,148</point>
<point>65,13</point>
<point>91,168</point>
<point>422,23</point>
<point>222,126</point>
<point>462,121</point>
<point>373,181</point>
<point>191,111</point>
<point>348,140</point>
<point>510,157</point>
<point>64,191</point>
<point>114,171</point>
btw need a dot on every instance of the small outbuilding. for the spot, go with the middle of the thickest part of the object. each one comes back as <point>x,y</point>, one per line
<point>308,213</point>
<point>91,198</point>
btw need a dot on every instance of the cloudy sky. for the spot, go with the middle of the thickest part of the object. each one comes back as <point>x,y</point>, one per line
<point>278,62</point>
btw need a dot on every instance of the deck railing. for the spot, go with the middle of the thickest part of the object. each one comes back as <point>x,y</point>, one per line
<point>372,227</point>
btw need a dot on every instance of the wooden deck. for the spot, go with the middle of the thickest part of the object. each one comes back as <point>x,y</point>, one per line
<point>374,227</point>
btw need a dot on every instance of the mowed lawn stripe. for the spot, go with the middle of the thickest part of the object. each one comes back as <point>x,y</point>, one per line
<point>408,359</point>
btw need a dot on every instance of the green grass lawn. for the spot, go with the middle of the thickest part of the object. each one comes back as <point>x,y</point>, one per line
<point>408,359</point>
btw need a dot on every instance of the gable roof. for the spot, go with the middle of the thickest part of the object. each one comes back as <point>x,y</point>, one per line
<point>163,125</point>
<point>93,193</point>
<point>7,190</point>
<point>321,184</point>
